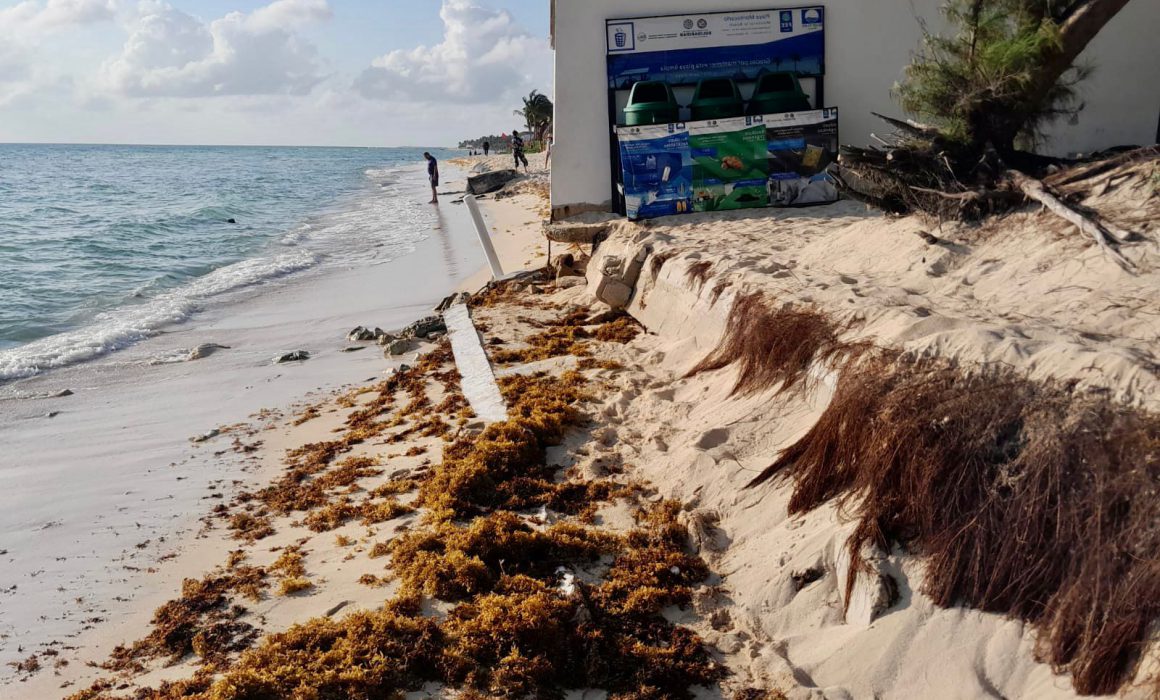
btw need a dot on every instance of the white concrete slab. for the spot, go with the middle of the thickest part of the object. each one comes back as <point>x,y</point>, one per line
<point>477,378</point>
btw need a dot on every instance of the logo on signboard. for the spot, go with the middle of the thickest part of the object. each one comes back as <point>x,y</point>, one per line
<point>642,37</point>
<point>787,20</point>
<point>688,24</point>
<point>812,16</point>
<point>620,37</point>
<point>702,23</point>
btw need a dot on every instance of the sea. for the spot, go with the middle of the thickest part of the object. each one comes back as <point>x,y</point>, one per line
<point>104,246</point>
<point>116,263</point>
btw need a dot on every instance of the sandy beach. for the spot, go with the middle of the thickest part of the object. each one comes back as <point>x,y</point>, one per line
<point>623,533</point>
<point>84,545</point>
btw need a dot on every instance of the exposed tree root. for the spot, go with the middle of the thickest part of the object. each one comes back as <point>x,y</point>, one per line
<point>1025,499</point>
<point>773,347</point>
<point>1038,191</point>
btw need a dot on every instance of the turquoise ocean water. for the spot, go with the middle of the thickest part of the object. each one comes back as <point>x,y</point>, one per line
<point>102,246</point>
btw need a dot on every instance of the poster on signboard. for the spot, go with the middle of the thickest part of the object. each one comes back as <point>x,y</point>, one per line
<point>688,48</point>
<point>800,147</point>
<point>657,170</point>
<point>730,164</point>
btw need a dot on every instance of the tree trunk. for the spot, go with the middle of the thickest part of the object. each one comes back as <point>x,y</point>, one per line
<point>1079,26</point>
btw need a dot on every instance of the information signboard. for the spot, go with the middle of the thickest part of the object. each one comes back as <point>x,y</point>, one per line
<point>727,164</point>
<point>742,91</point>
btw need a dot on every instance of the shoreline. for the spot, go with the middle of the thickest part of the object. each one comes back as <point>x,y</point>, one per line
<point>157,484</point>
<point>641,482</point>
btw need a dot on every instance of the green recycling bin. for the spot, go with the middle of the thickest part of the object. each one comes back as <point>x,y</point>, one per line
<point>776,93</point>
<point>651,102</point>
<point>717,98</point>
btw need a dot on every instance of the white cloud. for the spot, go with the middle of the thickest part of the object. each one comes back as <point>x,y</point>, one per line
<point>483,57</point>
<point>283,14</point>
<point>172,54</point>
<point>27,71</point>
<point>34,15</point>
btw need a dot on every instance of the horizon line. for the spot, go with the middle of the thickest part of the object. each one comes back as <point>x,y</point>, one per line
<point>202,145</point>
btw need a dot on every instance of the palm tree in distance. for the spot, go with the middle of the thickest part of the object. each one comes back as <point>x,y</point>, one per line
<point>537,114</point>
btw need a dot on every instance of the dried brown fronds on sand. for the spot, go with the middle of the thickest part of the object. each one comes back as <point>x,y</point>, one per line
<point>773,347</point>
<point>1025,499</point>
<point>698,273</point>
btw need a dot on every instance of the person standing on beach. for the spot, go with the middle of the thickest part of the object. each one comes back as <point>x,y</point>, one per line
<point>486,148</point>
<point>518,150</point>
<point>433,176</point>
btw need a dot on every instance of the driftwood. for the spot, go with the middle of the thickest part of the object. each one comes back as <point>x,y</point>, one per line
<point>1091,170</point>
<point>1038,191</point>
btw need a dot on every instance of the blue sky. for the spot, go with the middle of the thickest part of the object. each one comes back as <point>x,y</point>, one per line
<point>316,72</point>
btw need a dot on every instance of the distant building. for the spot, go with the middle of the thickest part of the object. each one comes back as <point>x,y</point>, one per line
<point>867,44</point>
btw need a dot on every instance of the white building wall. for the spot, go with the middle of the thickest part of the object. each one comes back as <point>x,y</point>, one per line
<point>868,42</point>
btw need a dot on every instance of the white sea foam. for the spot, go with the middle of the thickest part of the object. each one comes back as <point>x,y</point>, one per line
<point>126,325</point>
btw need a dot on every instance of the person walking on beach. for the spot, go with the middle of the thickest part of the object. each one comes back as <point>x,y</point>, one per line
<point>518,150</point>
<point>548,151</point>
<point>486,148</point>
<point>433,176</point>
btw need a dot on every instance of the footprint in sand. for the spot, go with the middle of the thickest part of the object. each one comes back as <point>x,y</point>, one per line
<point>713,439</point>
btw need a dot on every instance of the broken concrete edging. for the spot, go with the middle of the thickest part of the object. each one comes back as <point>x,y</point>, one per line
<point>477,379</point>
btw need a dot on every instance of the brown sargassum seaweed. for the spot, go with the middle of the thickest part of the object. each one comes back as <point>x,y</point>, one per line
<point>521,625</point>
<point>1026,499</point>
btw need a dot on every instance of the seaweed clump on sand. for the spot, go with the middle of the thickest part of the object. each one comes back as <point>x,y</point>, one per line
<point>250,527</point>
<point>1026,499</point>
<point>204,621</point>
<point>538,609</point>
<point>623,329</point>
<point>504,466</point>
<point>364,655</point>
<point>453,562</point>
<point>549,343</point>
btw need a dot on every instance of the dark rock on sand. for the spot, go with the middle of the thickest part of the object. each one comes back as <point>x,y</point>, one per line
<point>62,394</point>
<point>354,348</point>
<point>360,335</point>
<point>424,327</point>
<point>396,347</point>
<point>490,182</point>
<point>296,356</point>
